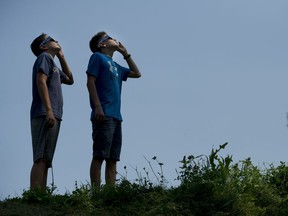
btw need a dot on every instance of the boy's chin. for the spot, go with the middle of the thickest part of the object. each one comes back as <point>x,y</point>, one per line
<point>58,50</point>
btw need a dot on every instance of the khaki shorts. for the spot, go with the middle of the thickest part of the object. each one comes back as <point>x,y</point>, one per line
<point>44,139</point>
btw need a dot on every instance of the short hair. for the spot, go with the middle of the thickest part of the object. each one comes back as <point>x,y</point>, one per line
<point>93,44</point>
<point>35,45</point>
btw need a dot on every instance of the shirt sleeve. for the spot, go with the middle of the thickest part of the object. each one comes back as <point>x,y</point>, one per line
<point>63,76</point>
<point>124,72</point>
<point>93,65</point>
<point>44,64</point>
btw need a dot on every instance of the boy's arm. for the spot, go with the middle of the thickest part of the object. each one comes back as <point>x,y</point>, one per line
<point>135,73</point>
<point>43,92</point>
<point>99,114</point>
<point>65,68</point>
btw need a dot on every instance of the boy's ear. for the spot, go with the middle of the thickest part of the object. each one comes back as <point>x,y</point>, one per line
<point>102,45</point>
<point>43,47</point>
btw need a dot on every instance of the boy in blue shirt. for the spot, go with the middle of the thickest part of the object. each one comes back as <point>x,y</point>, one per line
<point>47,105</point>
<point>104,83</point>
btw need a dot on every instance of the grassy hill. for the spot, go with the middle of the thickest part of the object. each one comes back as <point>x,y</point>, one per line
<point>210,185</point>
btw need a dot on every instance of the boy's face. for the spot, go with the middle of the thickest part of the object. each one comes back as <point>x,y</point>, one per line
<point>50,44</point>
<point>108,42</point>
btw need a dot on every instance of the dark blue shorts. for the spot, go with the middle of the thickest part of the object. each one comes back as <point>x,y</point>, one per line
<point>44,139</point>
<point>107,139</point>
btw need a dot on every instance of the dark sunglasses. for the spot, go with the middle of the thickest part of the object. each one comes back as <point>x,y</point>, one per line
<point>105,38</point>
<point>48,39</point>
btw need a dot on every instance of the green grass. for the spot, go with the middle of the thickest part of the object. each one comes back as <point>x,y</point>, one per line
<point>209,185</point>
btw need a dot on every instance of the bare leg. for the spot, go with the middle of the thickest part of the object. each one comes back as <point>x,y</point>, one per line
<point>95,172</point>
<point>38,176</point>
<point>45,176</point>
<point>110,172</point>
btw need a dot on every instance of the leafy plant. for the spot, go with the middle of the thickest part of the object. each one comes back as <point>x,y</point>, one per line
<point>209,185</point>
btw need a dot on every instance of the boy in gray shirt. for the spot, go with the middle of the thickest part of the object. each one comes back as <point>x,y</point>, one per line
<point>47,105</point>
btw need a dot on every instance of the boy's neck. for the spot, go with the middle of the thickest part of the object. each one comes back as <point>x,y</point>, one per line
<point>108,52</point>
<point>51,54</point>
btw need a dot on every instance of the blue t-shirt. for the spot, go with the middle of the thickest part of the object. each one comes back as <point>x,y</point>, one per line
<point>109,76</point>
<point>45,64</point>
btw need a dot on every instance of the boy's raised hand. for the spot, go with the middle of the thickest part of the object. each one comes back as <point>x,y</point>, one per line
<point>60,54</point>
<point>122,49</point>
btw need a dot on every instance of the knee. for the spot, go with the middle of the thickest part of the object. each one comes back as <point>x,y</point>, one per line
<point>96,163</point>
<point>42,162</point>
<point>111,163</point>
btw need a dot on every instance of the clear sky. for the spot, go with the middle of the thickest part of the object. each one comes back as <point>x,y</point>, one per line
<point>214,71</point>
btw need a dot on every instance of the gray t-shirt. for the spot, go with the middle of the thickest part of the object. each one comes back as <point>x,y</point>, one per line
<point>45,64</point>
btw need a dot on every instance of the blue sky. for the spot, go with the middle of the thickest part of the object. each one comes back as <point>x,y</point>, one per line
<point>214,71</point>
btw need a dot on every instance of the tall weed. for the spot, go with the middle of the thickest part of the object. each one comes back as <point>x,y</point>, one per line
<point>209,185</point>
